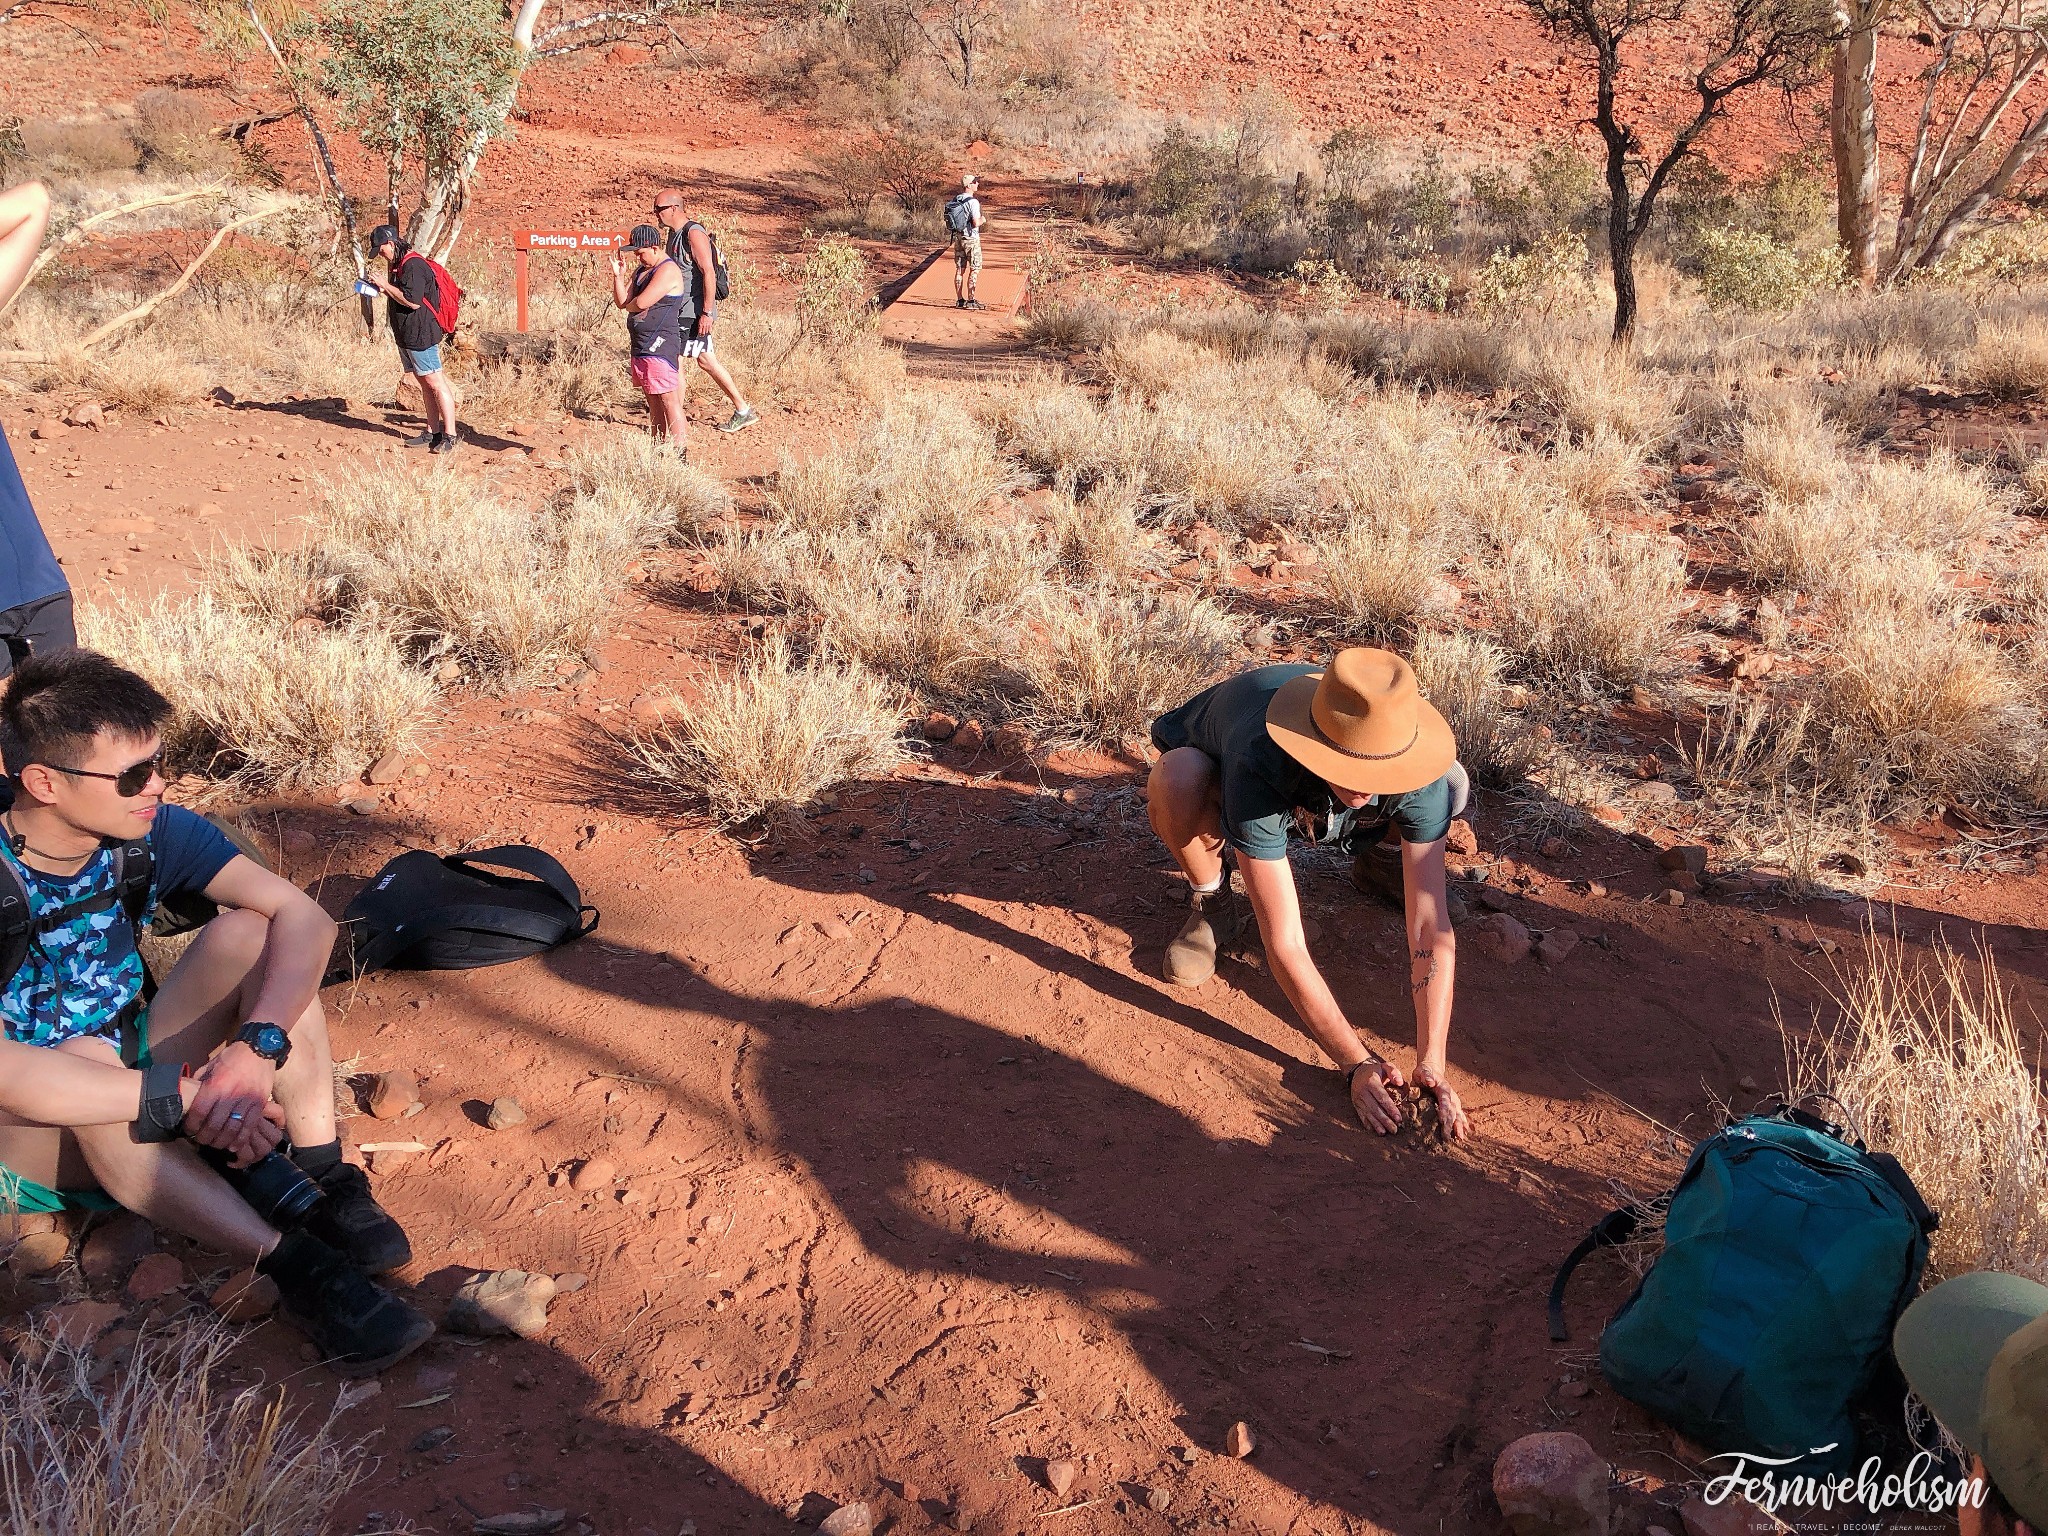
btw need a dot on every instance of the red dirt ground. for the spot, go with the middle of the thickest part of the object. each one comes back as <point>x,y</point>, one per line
<point>923,1176</point>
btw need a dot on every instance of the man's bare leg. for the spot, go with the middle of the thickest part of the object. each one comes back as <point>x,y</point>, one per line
<point>440,401</point>
<point>1184,802</point>
<point>165,1182</point>
<point>206,998</point>
<point>724,380</point>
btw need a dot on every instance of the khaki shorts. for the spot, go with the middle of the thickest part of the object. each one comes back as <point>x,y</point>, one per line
<point>967,253</point>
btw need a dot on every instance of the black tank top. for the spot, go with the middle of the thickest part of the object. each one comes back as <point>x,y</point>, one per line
<point>656,331</point>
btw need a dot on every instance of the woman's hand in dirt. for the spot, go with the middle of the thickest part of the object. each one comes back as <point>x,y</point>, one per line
<point>1371,1098</point>
<point>1450,1112</point>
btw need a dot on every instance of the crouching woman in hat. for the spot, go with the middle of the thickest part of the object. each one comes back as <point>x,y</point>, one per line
<point>1349,756</point>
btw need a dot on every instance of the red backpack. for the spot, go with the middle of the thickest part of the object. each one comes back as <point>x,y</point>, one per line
<point>446,305</point>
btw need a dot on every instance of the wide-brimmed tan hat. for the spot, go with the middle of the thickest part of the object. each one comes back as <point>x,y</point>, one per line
<point>1361,725</point>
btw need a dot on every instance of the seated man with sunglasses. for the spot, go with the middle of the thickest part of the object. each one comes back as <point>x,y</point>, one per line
<point>240,1011</point>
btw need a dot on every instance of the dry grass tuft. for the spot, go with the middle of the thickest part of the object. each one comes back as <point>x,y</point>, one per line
<point>1102,663</point>
<point>263,702</point>
<point>771,737</point>
<point>644,487</point>
<point>1791,452</point>
<point>508,588</point>
<point>1381,578</point>
<point>1917,701</point>
<point>1464,675</point>
<point>158,1447</point>
<point>1590,608</point>
<point>2010,359</point>
<point>1594,473</point>
<point>1927,1061</point>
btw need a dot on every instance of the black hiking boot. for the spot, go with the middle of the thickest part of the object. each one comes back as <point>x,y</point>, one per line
<point>444,442</point>
<point>425,439</point>
<point>351,1220</point>
<point>359,1327</point>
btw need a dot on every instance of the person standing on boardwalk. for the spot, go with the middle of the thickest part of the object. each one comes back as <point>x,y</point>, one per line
<point>964,219</point>
<point>650,287</point>
<point>691,247</point>
<point>412,291</point>
<point>35,599</point>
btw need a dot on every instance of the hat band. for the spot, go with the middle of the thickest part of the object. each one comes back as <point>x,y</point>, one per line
<point>1368,757</point>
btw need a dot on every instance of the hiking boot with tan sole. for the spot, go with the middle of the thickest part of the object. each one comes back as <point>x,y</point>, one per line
<point>1213,921</point>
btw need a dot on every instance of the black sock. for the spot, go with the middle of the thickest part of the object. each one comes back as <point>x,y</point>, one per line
<point>298,1260</point>
<point>317,1160</point>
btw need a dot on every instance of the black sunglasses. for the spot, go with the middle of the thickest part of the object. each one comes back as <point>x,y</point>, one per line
<point>128,783</point>
<point>666,207</point>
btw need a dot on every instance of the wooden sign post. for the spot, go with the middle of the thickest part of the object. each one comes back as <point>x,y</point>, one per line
<point>527,241</point>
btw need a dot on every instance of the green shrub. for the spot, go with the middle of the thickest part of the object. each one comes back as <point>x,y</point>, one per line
<point>834,292</point>
<point>1547,279</point>
<point>1750,270</point>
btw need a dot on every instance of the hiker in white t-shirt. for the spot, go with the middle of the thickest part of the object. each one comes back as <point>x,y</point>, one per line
<point>964,221</point>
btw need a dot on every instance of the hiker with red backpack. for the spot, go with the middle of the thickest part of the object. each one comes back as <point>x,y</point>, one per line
<point>422,309</point>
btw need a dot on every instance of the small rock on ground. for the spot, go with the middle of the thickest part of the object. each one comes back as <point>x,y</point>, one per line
<point>1553,1484</point>
<point>1238,1441</point>
<point>595,1173</point>
<point>393,1093</point>
<point>1502,938</point>
<point>504,1301</point>
<point>533,1522</point>
<point>848,1520</point>
<point>40,1253</point>
<point>245,1298</point>
<point>505,1113</point>
<point>157,1275</point>
<point>1060,1475</point>
<point>78,1323</point>
<point>116,1247</point>
<point>1556,945</point>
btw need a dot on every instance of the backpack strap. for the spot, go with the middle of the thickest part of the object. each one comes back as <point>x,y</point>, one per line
<point>486,917</point>
<point>1610,1231</point>
<point>527,860</point>
<point>1893,1173</point>
<point>17,922</point>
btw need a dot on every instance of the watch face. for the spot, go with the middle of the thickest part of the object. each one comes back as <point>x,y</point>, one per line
<point>270,1041</point>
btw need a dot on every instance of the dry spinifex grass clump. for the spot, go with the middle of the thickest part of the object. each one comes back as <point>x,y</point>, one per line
<point>1593,609</point>
<point>774,735</point>
<point>1928,1064</point>
<point>1101,664</point>
<point>157,1447</point>
<point>265,701</point>
<point>643,487</point>
<point>509,588</point>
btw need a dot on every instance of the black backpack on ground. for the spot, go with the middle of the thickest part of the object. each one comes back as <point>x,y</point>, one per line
<point>722,279</point>
<point>960,217</point>
<point>427,913</point>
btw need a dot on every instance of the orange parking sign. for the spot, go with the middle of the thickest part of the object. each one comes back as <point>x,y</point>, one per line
<point>569,241</point>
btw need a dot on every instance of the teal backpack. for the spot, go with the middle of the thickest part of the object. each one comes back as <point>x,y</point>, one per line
<point>1789,1251</point>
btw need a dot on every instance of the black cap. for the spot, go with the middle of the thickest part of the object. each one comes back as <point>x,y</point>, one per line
<point>383,233</point>
<point>645,237</point>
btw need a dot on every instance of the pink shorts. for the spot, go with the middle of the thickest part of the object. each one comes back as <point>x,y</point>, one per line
<point>654,375</point>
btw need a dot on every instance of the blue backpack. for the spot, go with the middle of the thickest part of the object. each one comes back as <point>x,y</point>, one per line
<point>1789,1252</point>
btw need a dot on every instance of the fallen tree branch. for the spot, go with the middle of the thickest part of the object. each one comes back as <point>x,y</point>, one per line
<point>239,131</point>
<point>78,231</point>
<point>151,305</point>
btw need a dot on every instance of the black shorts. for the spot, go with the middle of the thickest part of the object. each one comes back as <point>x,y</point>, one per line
<point>35,629</point>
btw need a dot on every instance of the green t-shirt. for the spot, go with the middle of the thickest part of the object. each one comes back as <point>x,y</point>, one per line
<point>1267,795</point>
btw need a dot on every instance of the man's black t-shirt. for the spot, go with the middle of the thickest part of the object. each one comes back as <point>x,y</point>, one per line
<point>415,329</point>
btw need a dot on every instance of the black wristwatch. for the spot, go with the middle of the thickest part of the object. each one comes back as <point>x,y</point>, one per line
<point>163,1104</point>
<point>266,1040</point>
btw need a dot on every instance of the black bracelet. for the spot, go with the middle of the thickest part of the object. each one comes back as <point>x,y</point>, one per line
<point>162,1114</point>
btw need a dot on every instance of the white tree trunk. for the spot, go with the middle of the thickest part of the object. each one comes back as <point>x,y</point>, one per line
<point>1852,129</point>
<point>437,224</point>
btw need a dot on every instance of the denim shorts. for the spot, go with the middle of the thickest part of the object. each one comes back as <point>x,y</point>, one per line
<point>427,360</point>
